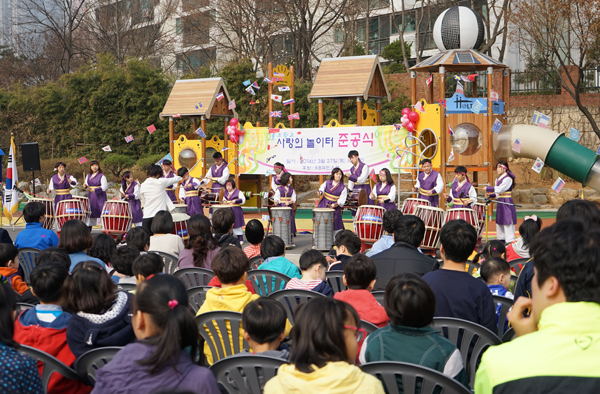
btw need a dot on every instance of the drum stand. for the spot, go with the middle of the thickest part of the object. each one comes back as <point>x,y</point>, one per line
<point>488,201</point>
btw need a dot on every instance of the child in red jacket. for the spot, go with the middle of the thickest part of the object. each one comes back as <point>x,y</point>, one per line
<point>359,275</point>
<point>45,326</point>
<point>9,265</point>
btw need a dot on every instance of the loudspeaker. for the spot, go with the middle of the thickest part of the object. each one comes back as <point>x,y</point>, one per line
<point>31,156</point>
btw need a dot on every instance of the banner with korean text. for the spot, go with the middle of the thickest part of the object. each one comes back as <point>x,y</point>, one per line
<point>316,151</point>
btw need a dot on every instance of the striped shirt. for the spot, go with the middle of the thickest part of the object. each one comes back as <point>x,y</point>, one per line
<point>252,251</point>
<point>296,283</point>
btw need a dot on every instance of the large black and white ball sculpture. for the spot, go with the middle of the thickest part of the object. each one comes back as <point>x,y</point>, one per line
<point>458,28</point>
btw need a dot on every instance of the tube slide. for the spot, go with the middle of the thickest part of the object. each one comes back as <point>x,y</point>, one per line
<point>556,150</point>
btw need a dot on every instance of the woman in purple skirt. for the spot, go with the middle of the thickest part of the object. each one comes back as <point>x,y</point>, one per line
<point>235,199</point>
<point>285,196</point>
<point>506,214</point>
<point>333,195</point>
<point>385,191</point>
<point>188,192</point>
<point>61,183</point>
<point>130,192</point>
<point>168,173</point>
<point>97,185</point>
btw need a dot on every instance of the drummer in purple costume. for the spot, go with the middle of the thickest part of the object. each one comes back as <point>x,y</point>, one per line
<point>285,196</point>
<point>385,190</point>
<point>97,184</point>
<point>276,179</point>
<point>462,193</point>
<point>61,183</point>
<point>235,198</point>
<point>130,192</point>
<point>218,173</point>
<point>188,192</point>
<point>168,173</point>
<point>333,195</point>
<point>506,215</point>
<point>429,184</point>
<point>358,176</point>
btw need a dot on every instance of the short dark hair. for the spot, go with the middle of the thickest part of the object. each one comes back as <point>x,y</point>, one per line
<point>162,223</point>
<point>272,246</point>
<point>409,301</point>
<point>230,264</point>
<point>352,153</point>
<point>217,155</point>
<point>154,170</point>
<point>493,248</point>
<point>285,178</point>
<point>389,219</point>
<point>318,341</point>
<point>410,229</point>
<point>255,232</point>
<point>348,239</point>
<point>425,161</point>
<point>47,281</point>
<point>7,308</point>
<point>138,237</point>
<point>222,220</point>
<point>569,250</point>
<point>264,320</point>
<point>528,229</point>
<point>492,267</point>
<point>458,239</point>
<point>167,162</point>
<point>75,236</point>
<point>360,270</point>
<point>60,163</point>
<point>103,248</point>
<point>588,210</point>
<point>310,257</point>
<point>90,290</point>
<point>8,252</point>
<point>232,181</point>
<point>53,255</point>
<point>182,171</point>
<point>123,258</point>
<point>33,211</point>
<point>460,169</point>
<point>147,264</point>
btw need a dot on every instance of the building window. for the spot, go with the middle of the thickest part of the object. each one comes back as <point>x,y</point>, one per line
<point>409,23</point>
<point>338,35</point>
<point>195,28</point>
<point>195,60</point>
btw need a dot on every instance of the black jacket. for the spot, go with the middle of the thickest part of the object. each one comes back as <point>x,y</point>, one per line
<point>228,239</point>
<point>401,258</point>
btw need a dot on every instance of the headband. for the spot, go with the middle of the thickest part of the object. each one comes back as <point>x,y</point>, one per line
<point>465,174</point>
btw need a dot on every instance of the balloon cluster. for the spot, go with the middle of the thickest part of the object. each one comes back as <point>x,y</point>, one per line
<point>233,131</point>
<point>409,119</point>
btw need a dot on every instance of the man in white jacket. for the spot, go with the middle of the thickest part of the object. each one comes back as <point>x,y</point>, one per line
<point>153,194</point>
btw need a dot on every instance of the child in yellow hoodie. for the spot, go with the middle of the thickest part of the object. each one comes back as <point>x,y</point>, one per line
<point>9,265</point>
<point>231,267</point>
<point>323,354</point>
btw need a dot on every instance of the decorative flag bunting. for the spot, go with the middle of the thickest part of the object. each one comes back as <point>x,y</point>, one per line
<point>540,119</point>
<point>450,131</point>
<point>177,115</point>
<point>255,85</point>
<point>284,88</point>
<point>199,105</point>
<point>451,158</point>
<point>457,78</point>
<point>275,114</point>
<point>231,104</point>
<point>295,115</point>
<point>274,131</point>
<point>247,82</point>
<point>200,132</point>
<point>286,102</point>
<point>166,157</point>
<point>129,138</point>
<point>496,126</point>
<point>429,79</point>
<point>268,80</point>
<point>517,146</point>
<point>250,90</point>
<point>459,88</point>
<point>252,102</point>
<point>151,129</point>
<point>107,148</point>
<point>494,95</point>
<point>224,149</point>
<point>82,160</point>
<point>574,134</point>
<point>220,96</point>
<point>465,79</point>
<point>476,107</point>
<point>372,175</point>
<point>278,75</point>
<point>11,201</point>
<point>538,165</point>
<point>419,107</point>
<point>472,77</point>
<point>276,98</point>
<point>442,103</point>
<point>397,126</point>
<point>558,185</point>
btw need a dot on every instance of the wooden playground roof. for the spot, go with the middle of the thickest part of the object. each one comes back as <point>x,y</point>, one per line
<point>458,60</point>
<point>350,77</point>
<point>187,93</point>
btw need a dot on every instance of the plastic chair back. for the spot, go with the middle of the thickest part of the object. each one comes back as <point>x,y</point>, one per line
<point>197,296</point>
<point>517,265</point>
<point>378,296</point>
<point>89,362</point>
<point>126,286</point>
<point>266,282</point>
<point>336,281</point>
<point>505,304</point>
<point>169,260</point>
<point>23,306</point>
<point>509,335</point>
<point>51,365</point>
<point>472,267</point>
<point>194,277</point>
<point>212,324</point>
<point>291,298</point>
<point>255,262</point>
<point>245,374</point>
<point>27,261</point>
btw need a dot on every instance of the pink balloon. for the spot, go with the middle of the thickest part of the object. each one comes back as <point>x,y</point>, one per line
<point>410,126</point>
<point>233,138</point>
<point>404,122</point>
<point>239,132</point>
<point>234,122</point>
<point>413,116</point>
<point>406,111</point>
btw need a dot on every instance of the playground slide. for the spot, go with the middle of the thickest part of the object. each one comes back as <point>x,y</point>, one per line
<point>555,150</point>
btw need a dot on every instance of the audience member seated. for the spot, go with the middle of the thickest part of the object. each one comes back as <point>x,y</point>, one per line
<point>146,266</point>
<point>75,239</point>
<point>313,267</point>
<point>387,240</point>
<point>163,239</point>
<point>347,244</point>
<point>222,221</point>
<point>231,266</point>
<point>45,326</point>
<point>403,256</point>
<point>325,345</point>
<point>139,238</point>
<point>202,246</point>
<point>122,261</point>
<point>9,266</point>
<point>458,294</point>
<point>53,255</point>
<point>493,248</point>
<point>163,357</point>
<point>557,347</point>
<point>5,237</point>
<point>34,235</point>
<point>102,317</point>
<point>255,232</point>
<point>410,304</point>
<point>272,249</point>
<point>496,274</point>
<point>19,373</point>
<point>359,275</point>
<point>527,230</point>
<point>103,248</point>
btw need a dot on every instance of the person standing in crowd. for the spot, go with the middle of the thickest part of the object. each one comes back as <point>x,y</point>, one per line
<point>333,195</point>
<point>130,191</point>
<point>153,194</point>
<point>358,175</point>
<point>167,172</point>
<point>97,184</point>
<point>189,192</point>
<point>429,184</point>
<point>61,183</point>
<point>385,190</point>
<point>506,214</point>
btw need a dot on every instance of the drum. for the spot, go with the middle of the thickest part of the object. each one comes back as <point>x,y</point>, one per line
<point>368,223</point>
<point>68,210</point>
<point>323,228</point>
<point>282,224</point>
<point>180,208</point>
<point>356,198</point>
<point>466,214</point>
<point>410,204</point>
<point>116,217</point>
<point>210,198</point>
<point>85,203</point>
<point>48,203</point>
<point>434,219</point>
<point>180,226</point>
<point>480,209</point>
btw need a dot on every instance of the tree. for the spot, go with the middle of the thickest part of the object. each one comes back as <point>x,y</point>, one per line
<point>562,39</point>
<point>396,52</point>
<point>115,164</point>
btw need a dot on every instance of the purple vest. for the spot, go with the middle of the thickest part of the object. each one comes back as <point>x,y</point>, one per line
<point>170,191</point>
<point>217,173</point>
<point>194,205</point>
<point>384,191</point>
<point>136,205</point>
<point>427,184</point>
<point>326,203</point>
<point>97,196</point>
<point>283,193</point>
<point>505,214</point>
<point>64,185</point>
<point>456,194</point>
<point>237,211</point>
<point>276,179</point>
<point>356,172</point>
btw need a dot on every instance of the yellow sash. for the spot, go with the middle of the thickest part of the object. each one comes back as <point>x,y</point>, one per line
<point>191,193</point>
<point>331,197</point>
<point>505,195</point>
<point>63,192</point>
